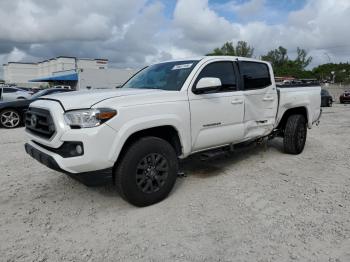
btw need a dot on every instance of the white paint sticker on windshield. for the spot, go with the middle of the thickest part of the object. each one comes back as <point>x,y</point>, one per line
<point>183,66</point>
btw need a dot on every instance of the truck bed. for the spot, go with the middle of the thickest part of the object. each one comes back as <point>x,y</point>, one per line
<point>307,96</point>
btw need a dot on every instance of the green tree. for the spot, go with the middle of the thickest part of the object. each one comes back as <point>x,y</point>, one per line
<point>302,61</point>
<point>284,66</point>
<point>277,57</point>
<point>242,49</point>
<point>226,49</point>
<point>339,72</point>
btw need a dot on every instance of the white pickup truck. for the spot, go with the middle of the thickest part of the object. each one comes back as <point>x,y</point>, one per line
<point>166,112</point>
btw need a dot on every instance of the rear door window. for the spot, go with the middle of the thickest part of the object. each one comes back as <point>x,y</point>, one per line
<point>255,75</point>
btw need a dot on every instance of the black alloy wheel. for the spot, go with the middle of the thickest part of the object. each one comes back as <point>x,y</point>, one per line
<point>152,172</point>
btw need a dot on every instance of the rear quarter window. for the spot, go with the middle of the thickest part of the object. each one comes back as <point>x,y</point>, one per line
<point>255,75</point>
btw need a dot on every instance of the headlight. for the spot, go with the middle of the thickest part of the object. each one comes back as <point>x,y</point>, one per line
<point>88,117</point>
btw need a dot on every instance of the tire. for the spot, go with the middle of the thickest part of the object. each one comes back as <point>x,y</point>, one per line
<point>330,103</point>
<point>147,171</point>
<point>10,118</point>
<point>295,134</point>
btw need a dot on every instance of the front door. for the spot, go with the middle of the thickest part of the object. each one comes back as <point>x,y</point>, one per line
<point>217,116</point>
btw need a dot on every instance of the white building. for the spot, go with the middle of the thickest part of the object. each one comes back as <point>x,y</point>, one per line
<point>79,73</point>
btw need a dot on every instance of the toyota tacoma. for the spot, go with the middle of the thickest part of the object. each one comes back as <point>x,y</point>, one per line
<point>166,112</point>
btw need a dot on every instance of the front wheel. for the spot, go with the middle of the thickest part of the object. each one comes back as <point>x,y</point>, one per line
<point>147,171</point>
<point>295,134</point>
<point>10,118</point>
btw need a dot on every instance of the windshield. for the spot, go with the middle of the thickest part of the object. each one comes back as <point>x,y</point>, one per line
<point>166,76</point>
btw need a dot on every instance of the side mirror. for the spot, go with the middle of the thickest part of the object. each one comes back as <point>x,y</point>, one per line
<point>206,84</point>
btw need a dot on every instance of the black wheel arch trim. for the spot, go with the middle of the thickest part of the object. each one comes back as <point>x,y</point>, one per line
<point>302,110</point>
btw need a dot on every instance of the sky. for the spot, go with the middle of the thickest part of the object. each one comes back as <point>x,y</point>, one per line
<point>135,33</point>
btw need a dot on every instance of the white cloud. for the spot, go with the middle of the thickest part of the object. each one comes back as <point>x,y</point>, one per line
<point>123,31</point>
<point>320,27</point>
<point>199,28</point>
<point>16,55</point>
<point>45,21</point>
<point>245,10</point>
<point>136,32</point>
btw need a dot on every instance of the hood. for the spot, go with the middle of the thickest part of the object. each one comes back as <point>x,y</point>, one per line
<point>86,99</point>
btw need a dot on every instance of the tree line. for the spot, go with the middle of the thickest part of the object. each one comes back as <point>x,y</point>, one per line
<point>283,65</point>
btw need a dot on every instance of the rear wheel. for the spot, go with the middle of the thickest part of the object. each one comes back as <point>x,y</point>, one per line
<point>147,171</point>
<point>10,118</point>
<point>295,134</point>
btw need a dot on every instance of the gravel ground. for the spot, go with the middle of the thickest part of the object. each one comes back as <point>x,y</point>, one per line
<point>257,204</point>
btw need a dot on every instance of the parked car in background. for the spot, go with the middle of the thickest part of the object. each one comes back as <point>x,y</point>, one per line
<point>62,86</point>
<point>326,98</point>
<point>31,90</point>
<point>12,112</point>
<point>26,89</point>
<point>13,93</point>
<point>345,97</point>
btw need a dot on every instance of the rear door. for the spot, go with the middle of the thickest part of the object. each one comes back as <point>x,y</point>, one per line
<point>260,96</point>
<point>216,116</point>
<point>8,94</point>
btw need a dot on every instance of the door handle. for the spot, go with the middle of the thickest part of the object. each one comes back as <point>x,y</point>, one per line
<point>268,98</point>
<point>237,101</point>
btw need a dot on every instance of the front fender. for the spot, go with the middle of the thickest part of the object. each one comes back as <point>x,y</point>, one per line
<point>146,122</point>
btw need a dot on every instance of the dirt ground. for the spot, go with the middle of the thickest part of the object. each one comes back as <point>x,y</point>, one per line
<point>257,204</point>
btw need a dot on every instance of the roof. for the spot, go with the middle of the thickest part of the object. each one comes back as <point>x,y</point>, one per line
<point>67,77</point>
<point>209,58</point>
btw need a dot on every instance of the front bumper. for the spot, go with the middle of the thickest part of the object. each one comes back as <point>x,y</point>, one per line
<point>97,146</point>
<point>97,143</point>
<point>43,158</point>
<point>98,177</point>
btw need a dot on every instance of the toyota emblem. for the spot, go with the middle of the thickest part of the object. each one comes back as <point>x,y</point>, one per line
<point>33,121</point>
